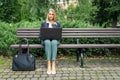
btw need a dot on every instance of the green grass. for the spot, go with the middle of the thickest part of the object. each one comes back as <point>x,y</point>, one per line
<point>5,61</point>
<point>2,60</point>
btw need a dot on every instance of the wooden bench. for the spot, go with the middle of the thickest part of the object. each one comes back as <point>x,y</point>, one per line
<point>75,33</point>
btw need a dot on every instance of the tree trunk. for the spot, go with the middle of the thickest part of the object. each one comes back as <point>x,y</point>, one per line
<point>114,20</point>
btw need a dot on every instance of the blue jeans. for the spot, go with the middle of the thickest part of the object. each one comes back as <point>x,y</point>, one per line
<point>51,49</point>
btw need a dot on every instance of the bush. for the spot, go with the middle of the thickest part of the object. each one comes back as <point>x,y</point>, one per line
<point>8,34</point>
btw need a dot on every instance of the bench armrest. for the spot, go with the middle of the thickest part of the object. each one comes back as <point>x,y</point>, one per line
<point>27,40</point>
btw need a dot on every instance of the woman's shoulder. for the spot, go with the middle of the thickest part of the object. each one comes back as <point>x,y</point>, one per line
<point>58,24</point>
<point>43,22</point>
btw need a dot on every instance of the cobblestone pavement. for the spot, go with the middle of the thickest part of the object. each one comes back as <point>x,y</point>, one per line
<point>94,69</point>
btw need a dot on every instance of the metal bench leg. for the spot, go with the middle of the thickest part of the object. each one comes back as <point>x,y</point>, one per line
<point>78,54</point>
<point>82,59</point>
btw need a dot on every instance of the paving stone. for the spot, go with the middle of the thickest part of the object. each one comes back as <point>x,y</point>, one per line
<point>65,74</point>
<point>22,76</point>
<point>58,75</point>
<point>3,74</point>
<point>59,72</point>
<point>0,75</point>
<point>72,78</point>
<point>49,78</point>
<point>2,79</point>
<point>18,73</point>
<point>72,74</point>
<point>36,75</point>
<point>94,76</point>
<point>44,75</point>
<point>26,78</point>
<point>6,76</point>
<point>32,72</point>
<point>109,78</point>
<point>26,72</point>
<point>79,78</point>
<point>101,76</point>
<point>34,78</point>
<point>18,79</point>
<point>11,73</point>
<point>57,78</point>
<point>118,73</point>
<point>1,70</point>
<point>14,76</point>
<point>29,76</point>
<point>116,78</point>
<point>103,79</point>
<point>87,77</point>
<point>41,78</point>
<point>52,75</point>
<point>64,78</point>
<point>65,71</point>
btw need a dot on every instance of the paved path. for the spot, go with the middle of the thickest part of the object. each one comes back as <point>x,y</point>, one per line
<point>95,69</point>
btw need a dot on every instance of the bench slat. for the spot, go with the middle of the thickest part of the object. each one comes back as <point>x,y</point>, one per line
<point>63,34</point>
<point>32,31</point>
<point>76,29</point>
<point>70,46</point>
<point>73,37</point>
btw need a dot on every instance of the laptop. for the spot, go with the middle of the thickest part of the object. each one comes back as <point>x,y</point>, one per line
<point>51,33</point>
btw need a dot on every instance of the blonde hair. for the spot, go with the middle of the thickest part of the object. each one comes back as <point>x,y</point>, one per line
<point>47,20</point>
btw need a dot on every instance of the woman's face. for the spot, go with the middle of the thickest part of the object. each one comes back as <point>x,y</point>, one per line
<point>51,16</point>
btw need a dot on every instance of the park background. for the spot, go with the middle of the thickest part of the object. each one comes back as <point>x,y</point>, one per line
<point>70,13</point>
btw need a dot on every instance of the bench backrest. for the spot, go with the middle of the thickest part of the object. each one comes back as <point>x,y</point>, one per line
<point>73,32</point>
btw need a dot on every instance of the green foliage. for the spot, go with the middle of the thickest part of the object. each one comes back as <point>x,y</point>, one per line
<point>30,13</point>
<point>18,10</point>
<point>9,10</point>
<point>33,9</point>
<point>108,12</point>
<point>82,11</point>
<point>77,24</point>
<point>7,33</point>
<point>8,37</point>
<point>99,51</point>
<point>102,12</point>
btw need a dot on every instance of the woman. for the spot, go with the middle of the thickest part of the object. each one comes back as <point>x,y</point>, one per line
<point>51,45</point>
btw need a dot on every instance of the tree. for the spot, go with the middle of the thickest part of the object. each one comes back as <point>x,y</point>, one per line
<point>108,12</point>
<point>33,9</point>
<point>17,10</point>
<point>9,10</point>
<point>82,11</point>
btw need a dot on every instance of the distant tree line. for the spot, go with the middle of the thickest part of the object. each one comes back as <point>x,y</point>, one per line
<point>102,12</point>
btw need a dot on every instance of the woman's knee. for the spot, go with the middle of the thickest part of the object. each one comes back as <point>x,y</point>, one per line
<point>54,42</point>
<point>47,42</point>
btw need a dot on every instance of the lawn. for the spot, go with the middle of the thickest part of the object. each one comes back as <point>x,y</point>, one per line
<point>5,61</point>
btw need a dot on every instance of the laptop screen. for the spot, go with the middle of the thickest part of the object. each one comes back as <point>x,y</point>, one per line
<point>50,33</point>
